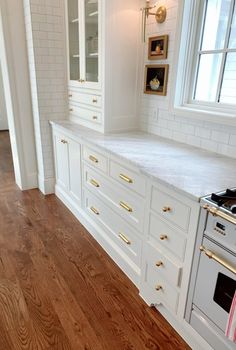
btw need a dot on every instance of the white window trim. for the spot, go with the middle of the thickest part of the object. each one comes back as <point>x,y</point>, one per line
<point>185,48</point>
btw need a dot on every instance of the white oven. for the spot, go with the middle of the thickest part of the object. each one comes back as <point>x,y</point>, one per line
<point>213,282</point>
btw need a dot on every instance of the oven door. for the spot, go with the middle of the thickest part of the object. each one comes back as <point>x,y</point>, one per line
<point>215,285</point>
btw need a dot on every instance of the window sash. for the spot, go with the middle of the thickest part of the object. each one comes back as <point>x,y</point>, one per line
<point>198,53</point>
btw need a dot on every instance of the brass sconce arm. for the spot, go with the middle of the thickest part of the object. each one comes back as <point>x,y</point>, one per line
<point>160,16</point>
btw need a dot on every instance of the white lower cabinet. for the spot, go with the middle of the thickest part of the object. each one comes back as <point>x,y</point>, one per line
<point>148,229</point>
<point>67,155</point>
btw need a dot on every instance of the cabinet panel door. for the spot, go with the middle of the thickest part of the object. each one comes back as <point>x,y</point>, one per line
<point>75,170</point>
<point>61,162</point>
<point>73,39</point>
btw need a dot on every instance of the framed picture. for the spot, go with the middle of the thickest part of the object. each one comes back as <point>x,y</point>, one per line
<point>155,80</point>
<point>157,47</point>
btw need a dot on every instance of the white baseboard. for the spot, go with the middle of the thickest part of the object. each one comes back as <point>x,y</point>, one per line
<point>30,182</point>
<point>46,186</point>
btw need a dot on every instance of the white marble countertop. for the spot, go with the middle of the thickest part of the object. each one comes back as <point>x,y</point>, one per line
<point>184,168</point>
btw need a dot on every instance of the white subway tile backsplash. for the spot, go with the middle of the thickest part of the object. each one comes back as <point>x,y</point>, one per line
<point>207,135</point>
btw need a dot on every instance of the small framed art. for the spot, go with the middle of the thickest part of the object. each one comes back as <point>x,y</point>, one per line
<point>155,80</point>
<point>157,47</point>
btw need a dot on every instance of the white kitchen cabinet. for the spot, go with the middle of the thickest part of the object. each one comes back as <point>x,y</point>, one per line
<point>103,56</point>
<point>68,166</point>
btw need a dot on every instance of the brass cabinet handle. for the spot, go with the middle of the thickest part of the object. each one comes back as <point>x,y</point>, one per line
<point>221,261</point>
<point>63,141</point>
<point>95,100</point>
<point>95,117</point>
<point>166,209</point>
<point>94,183</point>
<point>158,288</point>
<point>94,210</point>
<point>81,81</point>
<point>126,207</point>
<point>124,238</point>
<point>126,178</point>
<point>217,212</point>
<point>93,159</point>
<point>71,109</point>
<point>163,237</point>
<point>70,95</point>
<point>159,264</point>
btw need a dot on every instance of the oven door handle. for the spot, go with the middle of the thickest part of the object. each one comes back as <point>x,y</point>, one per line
<point>213,256</point>
<point>220,213</point>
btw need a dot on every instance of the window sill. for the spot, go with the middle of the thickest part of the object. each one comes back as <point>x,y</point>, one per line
<point>194,112</point>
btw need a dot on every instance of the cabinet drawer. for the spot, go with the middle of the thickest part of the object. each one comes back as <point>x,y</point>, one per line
<point>163,265</point>
<point>167,237</point>
<point>128,178</point>
<point>162,291</point>
<point>87,114</point>
<point>171,208</point>
<point>125,203</point>
<point>95,159</point>
<point>88,99</point>
<point>120,232</point>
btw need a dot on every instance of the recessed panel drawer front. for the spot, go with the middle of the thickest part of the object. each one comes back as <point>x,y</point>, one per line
<point>128,178</point>
<point>86,114</point>
<point>125,203</point>
<point>163,265</point>
<point>120,232</point>
<point>97,160</point>
<point>171,209</point>
<point>167,237</point>
<point>88,99</point>
<point>162,290</point>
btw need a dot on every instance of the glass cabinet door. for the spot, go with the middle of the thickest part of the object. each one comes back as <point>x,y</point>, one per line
<point>73,29</point>
<point>91,40</point>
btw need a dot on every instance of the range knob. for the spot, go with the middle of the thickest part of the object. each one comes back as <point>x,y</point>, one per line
<point>233,209</point>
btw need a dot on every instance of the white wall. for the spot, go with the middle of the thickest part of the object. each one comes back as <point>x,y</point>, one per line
<point>155,115</point>
<point>13,57</point>
<point>47,62</point>
<point>3,110</point>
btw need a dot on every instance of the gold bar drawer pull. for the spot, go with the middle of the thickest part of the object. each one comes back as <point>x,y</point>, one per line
<point>124,238</point>
<point>126,207</point>
<point>93,159</point>
<point>220,261</point>
<point>126,178</point>
<point>94,210</point>
<point>94,183</point>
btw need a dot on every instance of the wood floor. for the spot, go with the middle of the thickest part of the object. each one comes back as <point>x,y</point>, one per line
<point>58,289</point>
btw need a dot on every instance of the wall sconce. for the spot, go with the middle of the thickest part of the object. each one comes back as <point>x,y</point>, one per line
<point>160,15</point>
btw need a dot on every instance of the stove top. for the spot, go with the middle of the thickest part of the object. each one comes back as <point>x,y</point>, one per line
<point>225,200</point>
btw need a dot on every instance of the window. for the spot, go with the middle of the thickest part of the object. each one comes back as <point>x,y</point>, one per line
<point>215,76</point>
<point>206,68</point>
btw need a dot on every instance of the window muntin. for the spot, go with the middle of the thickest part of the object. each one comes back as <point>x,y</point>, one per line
<point>215,73</point>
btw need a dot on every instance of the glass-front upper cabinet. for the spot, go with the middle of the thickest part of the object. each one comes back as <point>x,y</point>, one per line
<point>84,42</point>
<point>73,45</point>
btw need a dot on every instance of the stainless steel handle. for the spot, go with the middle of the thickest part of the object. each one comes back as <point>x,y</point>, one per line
<point>124,238</point>
<point>216,212</point>
<point>212,255</point>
